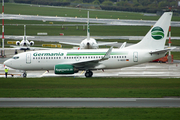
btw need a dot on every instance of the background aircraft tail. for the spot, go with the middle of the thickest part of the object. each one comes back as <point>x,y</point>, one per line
<point>88,31</point>
<point>156,37</point>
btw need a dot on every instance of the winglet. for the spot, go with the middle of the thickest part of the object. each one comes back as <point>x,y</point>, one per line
<point>108,53</point>
<point>123,45</point>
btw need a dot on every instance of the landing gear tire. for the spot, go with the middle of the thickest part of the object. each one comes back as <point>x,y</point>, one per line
<point>88,73</point>
<point>15,52</point>
<point>24,74</point>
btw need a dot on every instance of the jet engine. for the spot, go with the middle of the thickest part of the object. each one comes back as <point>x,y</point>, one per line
<point>31,43</point>
<point>17,43</point>
<point>65,69</point>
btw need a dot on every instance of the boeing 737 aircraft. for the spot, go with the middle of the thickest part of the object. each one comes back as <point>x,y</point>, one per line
<point>89,43</point>
<point>63,61</point>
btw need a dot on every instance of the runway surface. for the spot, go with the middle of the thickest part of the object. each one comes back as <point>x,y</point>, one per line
<point>78,39</point>
<point>90,102</point>
<point>84,20</point>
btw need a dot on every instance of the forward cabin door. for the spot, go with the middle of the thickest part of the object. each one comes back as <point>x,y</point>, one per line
<point>135,56</point>
<point>28,58</point>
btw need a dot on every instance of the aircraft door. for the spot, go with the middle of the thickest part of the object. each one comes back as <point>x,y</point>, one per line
<point>135,56</point>
<point>28,58</point>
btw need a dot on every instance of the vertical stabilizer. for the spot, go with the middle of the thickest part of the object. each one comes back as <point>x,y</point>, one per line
<point>24,32</point>
<point>156,37</point>
<point>88,31</point>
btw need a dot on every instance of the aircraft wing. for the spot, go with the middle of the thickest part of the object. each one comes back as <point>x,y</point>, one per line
<point>7,48</point>
<point>162,51</point>
<point>92,64</point>
<point>107,43</point>
<point>70,43</point>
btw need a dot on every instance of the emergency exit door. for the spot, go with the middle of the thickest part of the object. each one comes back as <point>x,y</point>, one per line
<point>135,56</point>
<point>28,58</point>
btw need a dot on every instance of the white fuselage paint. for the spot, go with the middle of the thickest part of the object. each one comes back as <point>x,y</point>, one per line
<point>45,60</point>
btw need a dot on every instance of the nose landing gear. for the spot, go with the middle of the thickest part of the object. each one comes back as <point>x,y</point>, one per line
<point>24,74</point>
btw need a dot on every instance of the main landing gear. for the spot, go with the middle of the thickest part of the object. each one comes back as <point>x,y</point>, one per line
<point>88,73</point>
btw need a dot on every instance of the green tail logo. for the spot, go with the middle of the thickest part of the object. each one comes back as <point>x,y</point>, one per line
<point>157,33</point>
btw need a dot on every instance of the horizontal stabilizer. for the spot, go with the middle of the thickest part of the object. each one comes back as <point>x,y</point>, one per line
<point>162,51</point>
<point>107,43</point>
<point>70,43</point>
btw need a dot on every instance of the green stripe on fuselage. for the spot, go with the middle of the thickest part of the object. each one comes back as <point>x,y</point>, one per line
<point>94,53</point>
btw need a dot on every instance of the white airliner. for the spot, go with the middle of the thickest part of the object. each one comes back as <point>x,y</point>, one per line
<point>89,43</point>
<point>63,61</point>
<point>24,44</point>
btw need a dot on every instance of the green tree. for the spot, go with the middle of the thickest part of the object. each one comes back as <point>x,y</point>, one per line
<point>96,2</point>
<point>123,4</point>
<point>107,3</point>
<point>162,4</point>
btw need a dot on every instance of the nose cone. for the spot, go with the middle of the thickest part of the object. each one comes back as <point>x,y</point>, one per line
<point>8,63</point>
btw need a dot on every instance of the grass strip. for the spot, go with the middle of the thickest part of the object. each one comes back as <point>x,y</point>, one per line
<point>90,87</point>
<point>89,113</point>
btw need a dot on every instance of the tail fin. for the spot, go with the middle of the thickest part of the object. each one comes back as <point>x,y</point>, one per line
<point>24,38</point>
<point>156,37</point>
<point>88,32</point>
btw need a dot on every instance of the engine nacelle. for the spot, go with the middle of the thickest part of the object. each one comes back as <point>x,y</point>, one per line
<point>17,43</point>
<point>31,43</point>
<point>65,69</point>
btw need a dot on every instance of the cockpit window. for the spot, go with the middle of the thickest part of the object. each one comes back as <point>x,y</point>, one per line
<point>16,57</point>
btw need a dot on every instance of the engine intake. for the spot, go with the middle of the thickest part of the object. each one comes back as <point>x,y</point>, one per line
<point>65,69</point>
<point>31,43</point>
<point>17,43</point>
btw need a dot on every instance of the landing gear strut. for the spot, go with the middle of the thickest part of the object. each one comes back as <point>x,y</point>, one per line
<point>88,73</point>
<point>24,74</point>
